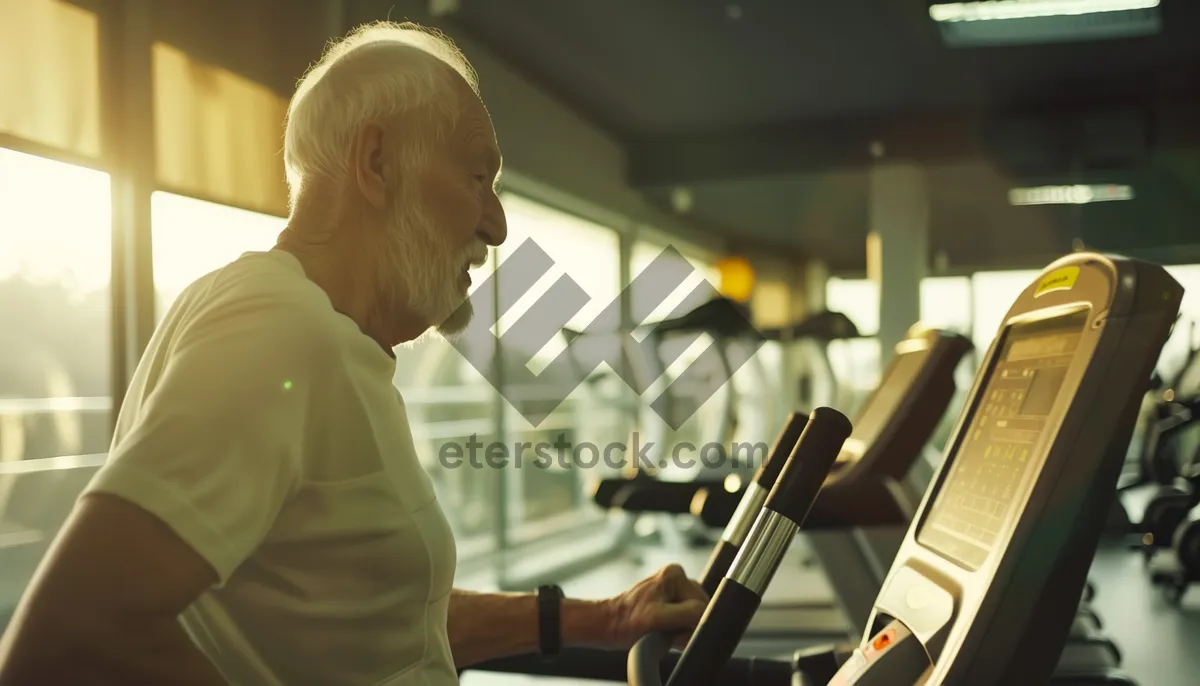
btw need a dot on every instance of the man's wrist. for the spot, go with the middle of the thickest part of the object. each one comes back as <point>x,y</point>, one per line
<point>587,622</point>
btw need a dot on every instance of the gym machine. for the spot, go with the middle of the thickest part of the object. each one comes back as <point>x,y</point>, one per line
<point>858,522</point>
<point>1022,495</point>
<point>985,587</point>
<point>728,324</point>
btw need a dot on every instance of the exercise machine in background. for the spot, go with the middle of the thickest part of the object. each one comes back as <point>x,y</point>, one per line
<point>868,501</point>
<point>733,343</point>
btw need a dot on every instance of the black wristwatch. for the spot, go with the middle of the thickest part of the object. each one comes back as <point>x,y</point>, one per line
<point>549,600</point>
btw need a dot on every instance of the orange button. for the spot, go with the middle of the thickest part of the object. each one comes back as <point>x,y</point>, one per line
<point>882,640</point>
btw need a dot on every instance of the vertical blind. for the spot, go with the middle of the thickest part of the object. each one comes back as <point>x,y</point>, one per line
<point>50,75</point>
<point>218,135</point>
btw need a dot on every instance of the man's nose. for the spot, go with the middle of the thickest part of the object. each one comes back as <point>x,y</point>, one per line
<point>494,227</point>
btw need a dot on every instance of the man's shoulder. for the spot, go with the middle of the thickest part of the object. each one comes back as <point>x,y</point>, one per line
<point>263,292</point>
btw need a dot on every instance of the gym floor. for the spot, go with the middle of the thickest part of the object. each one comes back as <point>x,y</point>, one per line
<point>1159,642</point>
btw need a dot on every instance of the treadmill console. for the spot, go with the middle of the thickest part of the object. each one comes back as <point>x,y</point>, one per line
<point>987,581</point>
<point>1000,449</point>
<point>897,381</point>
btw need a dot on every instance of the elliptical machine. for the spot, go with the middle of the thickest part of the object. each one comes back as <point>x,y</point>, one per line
<point>1166,454</point>
<point>1174,563</point>
<point>1167,410</point>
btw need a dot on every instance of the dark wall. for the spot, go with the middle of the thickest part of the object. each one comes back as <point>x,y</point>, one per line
<point>270,42</point>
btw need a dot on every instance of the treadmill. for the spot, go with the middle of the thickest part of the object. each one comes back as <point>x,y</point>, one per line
<point>985,586</point>
<point>725,320</point>
<point>906,407</point>
<point>859,518</point>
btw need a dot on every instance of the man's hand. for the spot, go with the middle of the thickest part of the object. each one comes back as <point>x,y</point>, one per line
<point>666,601</point>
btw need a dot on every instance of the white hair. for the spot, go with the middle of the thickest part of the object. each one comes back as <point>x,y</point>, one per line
<point>377,72</point>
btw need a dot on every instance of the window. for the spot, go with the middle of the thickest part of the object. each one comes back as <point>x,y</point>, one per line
<point>993,293</point>
<point>217,135</point>
<point>50,75</point>
<point>191,238</point>
<point>55,392</point>
<point>946,303</point>
<point>55,226</point>
<point>642,306</point>
<point>856,363</point>
<point>705,415</point>
<point>1186,335</point>
<point>590,255</point>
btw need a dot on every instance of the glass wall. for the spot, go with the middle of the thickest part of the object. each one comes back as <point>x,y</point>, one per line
<point>856,363</point>
<point>945,302</point>
<point>542,491</point>
<point>191,238</point>
<point>1185,338</point>
<point>992,293</point>
<point>55,367</point>
<point>688,410</point>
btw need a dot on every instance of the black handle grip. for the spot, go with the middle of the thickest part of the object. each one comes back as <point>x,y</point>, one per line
<point>604,492</point>
<point>718,564</point>
<point>639,493</point>
<point>718,507</point>
<point>769,470</point>
<point>813,457</point>
<point>671,497</point>
<point>717,636</point>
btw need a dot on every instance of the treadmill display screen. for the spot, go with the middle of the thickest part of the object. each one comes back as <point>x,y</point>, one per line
<point>975,504</point>
<point>882,405</point>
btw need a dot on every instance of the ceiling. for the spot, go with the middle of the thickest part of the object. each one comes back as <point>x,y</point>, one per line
<point>771,112</point>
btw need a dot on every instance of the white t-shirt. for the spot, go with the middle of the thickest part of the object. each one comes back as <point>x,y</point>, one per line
<point>263,427</point>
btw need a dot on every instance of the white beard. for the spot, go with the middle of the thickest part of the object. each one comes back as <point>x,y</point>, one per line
<point>423,273</point>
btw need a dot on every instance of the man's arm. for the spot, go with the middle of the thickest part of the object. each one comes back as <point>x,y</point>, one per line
<point>103,606</point>
<point>486,626</point>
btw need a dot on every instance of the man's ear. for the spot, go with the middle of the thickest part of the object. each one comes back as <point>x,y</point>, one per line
<point>371,166</point>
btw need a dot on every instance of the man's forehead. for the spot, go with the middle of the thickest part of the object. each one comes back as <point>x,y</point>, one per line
<point>474,117</point>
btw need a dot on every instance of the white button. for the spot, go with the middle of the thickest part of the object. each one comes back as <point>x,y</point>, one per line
<point>918,598</point>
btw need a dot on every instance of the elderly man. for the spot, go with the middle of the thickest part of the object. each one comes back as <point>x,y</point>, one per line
<point>263,517</point>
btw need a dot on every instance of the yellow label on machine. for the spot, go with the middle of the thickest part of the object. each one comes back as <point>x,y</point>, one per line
<point>1058,280</point>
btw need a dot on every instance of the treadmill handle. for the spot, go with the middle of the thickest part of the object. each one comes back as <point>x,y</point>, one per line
<point>804,473</point>
<point>740,593</point>
<point>769,471</point>
<point>751,503</point>
<point>718,565</point>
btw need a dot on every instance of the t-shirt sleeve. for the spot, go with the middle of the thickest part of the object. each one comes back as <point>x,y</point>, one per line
<point>216,445</point>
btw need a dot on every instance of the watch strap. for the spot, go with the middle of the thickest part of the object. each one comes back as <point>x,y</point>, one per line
<point>549,601</point>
